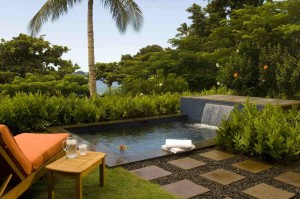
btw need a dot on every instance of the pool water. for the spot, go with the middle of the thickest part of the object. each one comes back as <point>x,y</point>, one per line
<point>144,139</point>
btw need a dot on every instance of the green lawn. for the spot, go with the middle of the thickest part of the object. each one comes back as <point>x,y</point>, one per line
<point>119,183</point>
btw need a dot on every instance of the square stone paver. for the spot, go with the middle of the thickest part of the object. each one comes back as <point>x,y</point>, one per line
<point>264,191</point>
<point>216,155</point>
<point>187,163</point>
<point>290,177</point>
<point>185,189</point>
<point>252,166</point>
<point>151,172</point>
<point>222,176</point>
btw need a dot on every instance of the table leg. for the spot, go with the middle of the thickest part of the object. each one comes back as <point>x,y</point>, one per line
<point>78,186</point>
<point>101,172</point>
<point>51,194</point>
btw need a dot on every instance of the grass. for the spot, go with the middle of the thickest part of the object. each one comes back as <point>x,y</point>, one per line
<point>119,183</point>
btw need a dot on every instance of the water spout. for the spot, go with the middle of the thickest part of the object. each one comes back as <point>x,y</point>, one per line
<point>214,113</point>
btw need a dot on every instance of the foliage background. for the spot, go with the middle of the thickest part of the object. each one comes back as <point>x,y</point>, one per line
<point>249,46</point>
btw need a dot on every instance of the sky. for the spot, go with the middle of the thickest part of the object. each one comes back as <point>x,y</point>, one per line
<point>161,19</point>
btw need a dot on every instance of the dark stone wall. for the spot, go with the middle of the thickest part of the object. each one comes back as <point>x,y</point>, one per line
<point>193,106</point>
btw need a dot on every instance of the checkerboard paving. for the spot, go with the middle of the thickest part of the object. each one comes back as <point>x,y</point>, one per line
<point>222,176</point>
<point>216,155</point>
<point>185,189</point>
<point>252,166</point>
<point>263,191</point>
<point>151,172</point>
<point>290,177</point>
<point>187,163</point>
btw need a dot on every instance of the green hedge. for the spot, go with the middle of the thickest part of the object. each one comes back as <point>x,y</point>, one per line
<point>47,84</point>
<point>271,134</point>
<point>37,111</point>
<point>25,112</point>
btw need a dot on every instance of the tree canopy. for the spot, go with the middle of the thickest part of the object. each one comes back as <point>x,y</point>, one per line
<point>25,54</point>
<point>252,47</point>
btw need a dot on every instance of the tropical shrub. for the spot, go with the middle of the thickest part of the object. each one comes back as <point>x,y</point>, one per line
<point>25,112</point>
<point>270,134</point>
<point>47,84</point>
<point>36,111</point>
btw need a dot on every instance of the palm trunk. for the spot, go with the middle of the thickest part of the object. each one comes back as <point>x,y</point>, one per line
<point>91,55</point>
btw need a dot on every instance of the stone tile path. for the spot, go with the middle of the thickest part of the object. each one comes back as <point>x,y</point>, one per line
<point>291,178</point>
<point>222,176</point>
<point>216,155</point>
<point>187,163</point>
<point>252,166</point>
<point>264,191</point>
<point>185,189</point>
<point>216,174</point>
<point>151,172</point>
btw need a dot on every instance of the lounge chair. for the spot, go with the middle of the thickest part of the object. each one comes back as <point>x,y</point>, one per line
<point>23,159</point>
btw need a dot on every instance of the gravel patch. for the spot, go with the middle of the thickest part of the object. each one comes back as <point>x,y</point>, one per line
<point>233,190</point>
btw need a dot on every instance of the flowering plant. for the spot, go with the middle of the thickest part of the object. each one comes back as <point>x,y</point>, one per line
<point>235,75</point>
<point>122,147</point>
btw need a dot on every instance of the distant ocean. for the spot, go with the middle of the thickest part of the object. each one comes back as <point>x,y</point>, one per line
<point>101,87</point>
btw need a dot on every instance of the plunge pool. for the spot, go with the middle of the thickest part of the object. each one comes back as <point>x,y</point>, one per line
<point>142,141</point>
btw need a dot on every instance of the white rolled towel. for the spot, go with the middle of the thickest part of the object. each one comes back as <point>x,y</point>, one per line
<point>182,144</point>
<point>179,150</point>
<point>163,147</point>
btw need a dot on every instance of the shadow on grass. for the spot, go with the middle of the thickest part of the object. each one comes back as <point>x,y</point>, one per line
<point>119,183</point>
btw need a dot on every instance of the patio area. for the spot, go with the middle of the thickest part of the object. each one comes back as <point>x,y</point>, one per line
<point>210,173</point>
<point>202,173</point>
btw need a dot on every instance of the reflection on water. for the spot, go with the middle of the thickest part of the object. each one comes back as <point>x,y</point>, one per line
<point>147,138</point>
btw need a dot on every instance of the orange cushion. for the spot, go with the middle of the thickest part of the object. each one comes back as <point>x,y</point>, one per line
<point>39,148</point>
<point>14,150</point>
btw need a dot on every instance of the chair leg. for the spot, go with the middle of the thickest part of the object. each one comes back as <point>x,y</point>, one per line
<point>4,184</point>
<point>51,194</point>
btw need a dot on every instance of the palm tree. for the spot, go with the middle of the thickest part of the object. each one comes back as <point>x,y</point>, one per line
<point>183,30</point>
<point>124,13</point>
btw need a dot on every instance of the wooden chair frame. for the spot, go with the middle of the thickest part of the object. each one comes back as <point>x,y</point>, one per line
<point>7,192</point>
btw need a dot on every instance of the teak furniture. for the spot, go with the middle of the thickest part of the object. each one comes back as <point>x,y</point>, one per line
<point>23,159</point>
<point>76,167</point>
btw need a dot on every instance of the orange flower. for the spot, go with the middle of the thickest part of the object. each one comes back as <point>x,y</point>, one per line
<point>266,67</point>
<point>122,147</point>
<point>235,75</point>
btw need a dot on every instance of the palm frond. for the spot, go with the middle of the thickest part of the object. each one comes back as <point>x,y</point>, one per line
<point>136,19</point>
<point>52,9</point>
<point>125,12</point>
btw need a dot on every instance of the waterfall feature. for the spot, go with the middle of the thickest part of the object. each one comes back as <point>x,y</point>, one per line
<point>214,113</point>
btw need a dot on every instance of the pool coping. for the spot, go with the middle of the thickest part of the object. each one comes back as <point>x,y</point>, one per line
<point>120,123</point>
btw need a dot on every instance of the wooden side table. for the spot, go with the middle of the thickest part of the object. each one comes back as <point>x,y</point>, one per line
<point>76,167</point>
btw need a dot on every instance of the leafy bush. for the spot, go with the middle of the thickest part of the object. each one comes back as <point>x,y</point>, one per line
<point>47,84</point>
<point>155,84</point>
<point>270,134</point>
<point>24,112</point>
